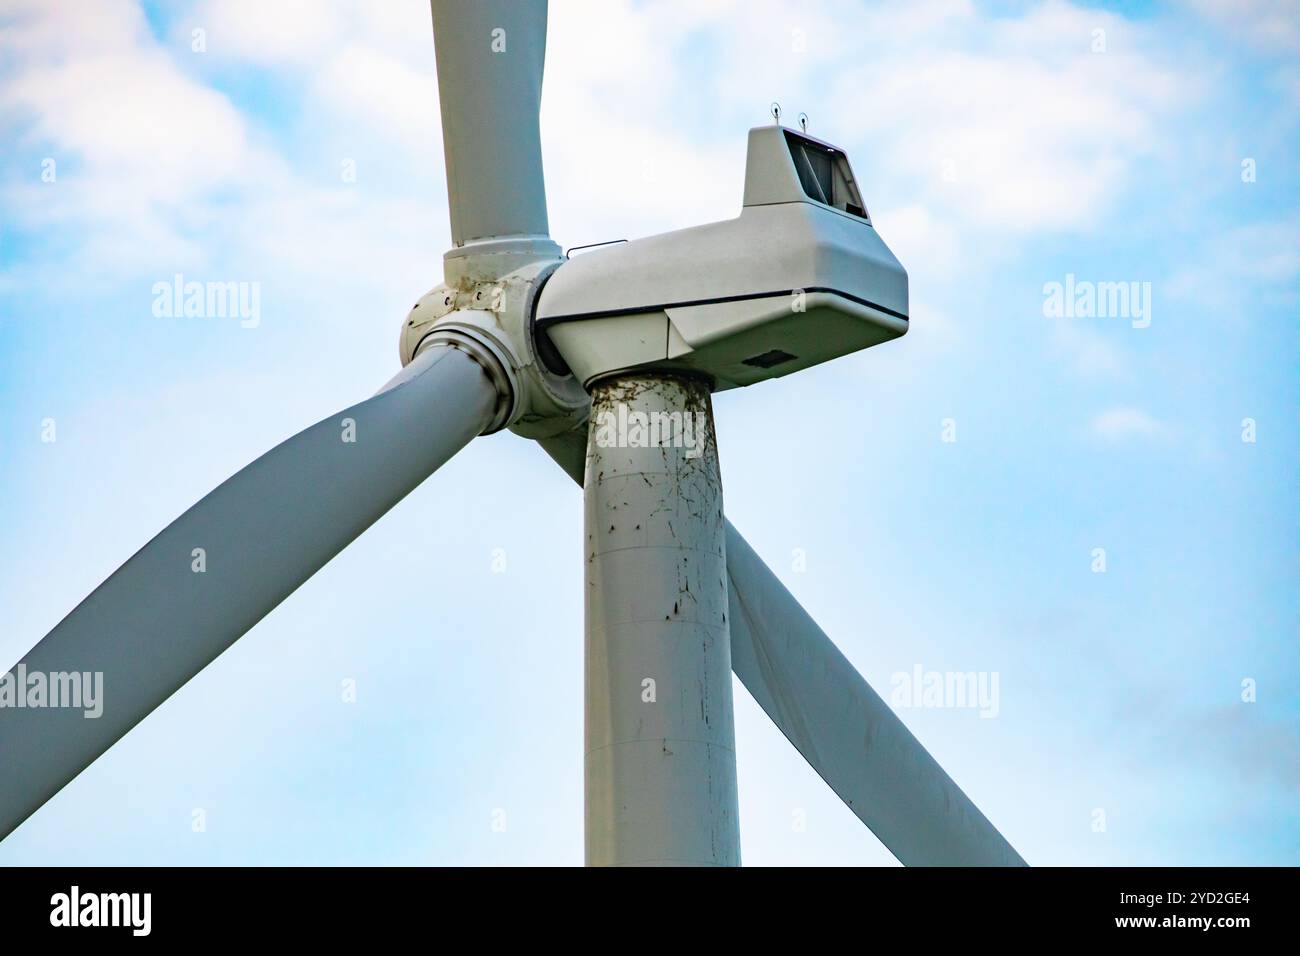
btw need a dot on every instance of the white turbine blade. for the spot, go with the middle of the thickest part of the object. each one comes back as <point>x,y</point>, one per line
<point>833,717</point>
<point>172,608</point>
<point>845,731</point>
<point>490,55</point>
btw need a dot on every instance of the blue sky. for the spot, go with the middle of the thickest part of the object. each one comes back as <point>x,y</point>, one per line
<point>998,148</point>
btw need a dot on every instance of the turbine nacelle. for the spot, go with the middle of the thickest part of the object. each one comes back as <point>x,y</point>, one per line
<point>799,278</point>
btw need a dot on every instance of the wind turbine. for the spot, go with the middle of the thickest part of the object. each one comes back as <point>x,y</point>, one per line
<point>608,361</point>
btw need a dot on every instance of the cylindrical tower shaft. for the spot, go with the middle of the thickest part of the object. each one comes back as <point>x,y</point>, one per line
<point>660,737</point>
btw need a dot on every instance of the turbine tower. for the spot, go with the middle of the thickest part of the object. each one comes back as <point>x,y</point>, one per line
<point>608,360</point>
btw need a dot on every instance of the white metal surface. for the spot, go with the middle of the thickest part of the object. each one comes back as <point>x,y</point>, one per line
<point>788,284</point>
<point>496,313</point>
<point>660,741</point>
<point>778,247</point>
<point>834,718</point>
<point>772,172</point>
<point>845,731</point>
<point>490,57</point>
<point>166,614</point>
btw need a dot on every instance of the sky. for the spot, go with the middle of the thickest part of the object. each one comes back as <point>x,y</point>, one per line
<point>1098,511</point>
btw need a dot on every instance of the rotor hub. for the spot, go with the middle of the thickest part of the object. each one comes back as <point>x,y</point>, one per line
<point>485,307</point>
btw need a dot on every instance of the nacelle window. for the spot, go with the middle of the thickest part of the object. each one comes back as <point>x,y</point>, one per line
<point>825,175</point>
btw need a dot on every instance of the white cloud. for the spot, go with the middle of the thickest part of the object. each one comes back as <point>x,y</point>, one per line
<point>366,62</point>
<point>1270,25</point>
<point>158,171</point>
<point>394,98</point>
<point>122,106</point>
<point>1039,132</point>
<point>1259,261</point>
<point>1127,423</point>
<point>140,147</point>
<point>1007,125</point>
<point>64,28</point>
<point>921,240</point>
<point>296,32</point>
<point>135,117</point>
<point>1088,353</point>
<point>619,161</point>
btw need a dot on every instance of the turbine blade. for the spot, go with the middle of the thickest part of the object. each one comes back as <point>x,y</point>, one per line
<point>839,724</point>
<point>845,731</point>
<point>490,55</point>
<point>215,571</point>
<point>569,451</point>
